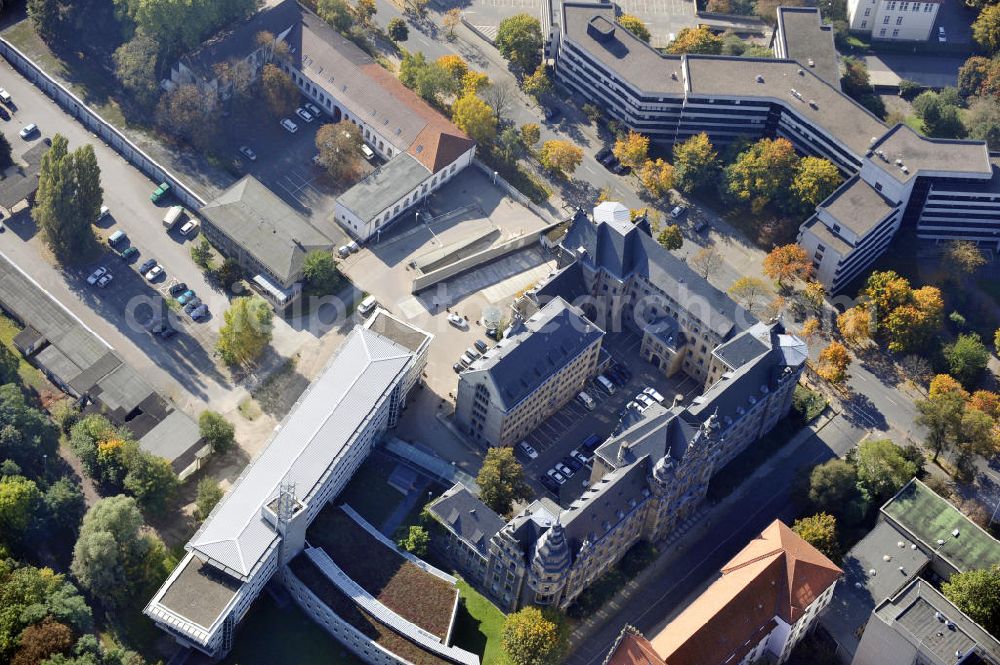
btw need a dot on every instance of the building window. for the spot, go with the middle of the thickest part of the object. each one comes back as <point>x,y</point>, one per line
<point>899,20</point>
<point>864,24</point>
<point>895,32</point>
<point>885,20</point>
<point>881,33</point>
<point>868,11</point>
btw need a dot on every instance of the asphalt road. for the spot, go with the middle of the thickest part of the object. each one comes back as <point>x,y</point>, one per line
<point>726,530</point>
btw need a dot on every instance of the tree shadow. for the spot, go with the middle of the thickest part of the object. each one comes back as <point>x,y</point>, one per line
<point>861,412</point>
<point>277,393</point>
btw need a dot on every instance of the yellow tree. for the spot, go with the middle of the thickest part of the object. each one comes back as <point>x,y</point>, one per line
<point>986,29</point>
<point>530,133</point>
<point>809,328</point>
<point>696,163</point>
<point>762,172</point>
<point>815,179</point>
<point>814,294</point>
<point>657,177</point>
<point>833,362</point>
<point>634,25</point>
<point>632,150</point>
<point>560,156</point>
<point>451,19</point>
<point>887,291</point>
<point>696,40</point>
<point>964,255</point>
<point>474,82</point>
<point>538,83</point>
<point>787,262</point>
<point>986,401</point>
<point>475,118</point>
<point>944,384</point>
<point>750,292</point>
<point>456,66</point>
<point>856,325</point>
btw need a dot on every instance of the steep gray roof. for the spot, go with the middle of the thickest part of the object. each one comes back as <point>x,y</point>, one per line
<point>604,504</point>
<point>21,181</point>
<point>623,250</point>
<point>266,227</point>
<point>533,351</point>
<point>552,551</point>
<point>467,517</point>
<point>319,429</point>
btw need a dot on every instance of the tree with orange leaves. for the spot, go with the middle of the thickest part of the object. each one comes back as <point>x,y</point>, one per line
<point>833,362</point>
<point>787,262</point>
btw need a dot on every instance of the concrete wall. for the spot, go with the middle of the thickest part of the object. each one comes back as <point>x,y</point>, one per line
<point>98,125</point>
<point>479,258</point>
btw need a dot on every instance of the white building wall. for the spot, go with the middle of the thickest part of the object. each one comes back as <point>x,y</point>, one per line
<point>896,20</point>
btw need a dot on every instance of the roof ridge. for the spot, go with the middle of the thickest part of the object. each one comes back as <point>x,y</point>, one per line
<point>743,564</point>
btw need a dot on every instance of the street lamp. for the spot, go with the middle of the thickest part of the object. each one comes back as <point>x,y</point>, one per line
<point>495,174</point>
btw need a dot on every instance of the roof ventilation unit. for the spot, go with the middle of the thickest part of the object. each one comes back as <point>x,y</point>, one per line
<point>812,63</point>
<point>905,170</point>
<point>813,104</point>
<point>760,78</point>
<point>673,75</point>
<point>899,162</point>
<point>802,72</point>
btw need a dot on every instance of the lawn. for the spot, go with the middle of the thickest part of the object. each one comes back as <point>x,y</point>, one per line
<point>404,588</point>
<point>478,626</point>
<point>30,375</point>
<point>271,634</point>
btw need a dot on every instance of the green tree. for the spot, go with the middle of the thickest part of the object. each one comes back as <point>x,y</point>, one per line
<point>474,117</point>
<point>696,40</point>
<point>280,92</point>
<point>855,81</point>
<point>339,149</point>
<point>320,271</point>
<point>996,340</point>
<point>940,114</point>
<point>815,179</point>
<point>151,480</point>
<point>762,172</point>
<point>510,145</point>
<point>882,468</point>
<point>416,541</point>
<point>68,199</point>
<point>64,507</point>
<point>19,502</point>
<point>209,494</point>
<point>246,331</point>
<point>501,480</point>
<point>397,30</point>
<point>26,434</point>
<point>533,637</point>
<point>634,25</point>
<point>5,153</point>
<point>538,83</point>
<point>986,29</point>
<point>519,39</point>
<point>941,415</point>
<point>201,254</point>
<point>977,594</point>
<point>670,237</point>
<point>217,432</point>
<point>820,531</point>
<point>337,13</point>
<point>967,358</point>
<point>561,157</point>
<point>136,63</point>
<point>187,115</point>
<point>696,163</point>
<point>181,24</point>
<point>45,16</point>
<point>430,80</point>
<point>833,486</point>
<point>28,595</point>
<point>115,559</point>
<point>983,120</point>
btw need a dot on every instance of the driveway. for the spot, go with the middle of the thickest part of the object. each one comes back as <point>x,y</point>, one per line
<point>887,69</point>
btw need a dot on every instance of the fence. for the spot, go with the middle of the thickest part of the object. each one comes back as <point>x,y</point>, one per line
<point>479,258</point>
<point>513,191</point>
<point>98,125</point>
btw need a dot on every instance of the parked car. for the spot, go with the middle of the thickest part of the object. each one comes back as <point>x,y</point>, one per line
<point>623,371</point>
<point>678,212</point>
<point>367,306</point>
<point>312,108</point>
<point>162,190</point>
<point>28,131</point>
<point>190,226</point>
<point>606,383</point>
<point>5,96</point>
<point>586,400</point>
<point>248,152</point>
<point>481,345</point>
<point>563,469</point>
<point>555,475</point>
<point>525,449</point>
<point>549,483</point>
<point>147,265</point>
<point>304,114</point>
<point>199,312</point>
<point>645,400</point>
<point>96,275</point>
<point>129,253</point>
<point>700,226</point>
<point>343,251</point>
<point>603,154</point>
<point>621,169</point>
<point>177,289</point>
<point>652,392</point>
<point>494,334</point>
<point>367,152</point>
<point>590,444</point>
<point>154,273</point>
<point>581,456</point>
<point>186,297</point>
<point>456,320</point>
<point>610,162</point>
<point>571,463</point>
<point>616,376</point>
<point>167,332</point>
<point>105,211</point>
<point>104,280</point>
<point>192,304</point>
<point>941,34</point>
<point>289,126</point>
<point>551,113</point>
<point>458,367</point>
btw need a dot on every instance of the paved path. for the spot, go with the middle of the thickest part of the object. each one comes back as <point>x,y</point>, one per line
<point>662,590</point>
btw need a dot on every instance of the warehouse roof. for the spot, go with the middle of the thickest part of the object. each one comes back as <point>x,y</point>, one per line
<point>320,426</point>
<point>21,180</point>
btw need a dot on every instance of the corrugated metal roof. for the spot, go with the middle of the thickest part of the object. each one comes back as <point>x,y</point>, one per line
<point>315,433</point>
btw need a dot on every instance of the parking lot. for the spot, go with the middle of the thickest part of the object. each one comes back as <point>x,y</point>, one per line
<point>571,425</point>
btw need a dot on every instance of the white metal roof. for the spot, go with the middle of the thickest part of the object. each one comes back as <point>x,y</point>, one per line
<point>324,421</point>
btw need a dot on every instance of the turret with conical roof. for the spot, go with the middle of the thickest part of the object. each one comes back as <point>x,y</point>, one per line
<point>551,562</point>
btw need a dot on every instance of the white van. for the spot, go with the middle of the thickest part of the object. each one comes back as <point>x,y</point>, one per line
<point>586,400</point>
<point>367,306</point>
<point>603,382</point>
<point>172,217</point>
<point>367,152</point>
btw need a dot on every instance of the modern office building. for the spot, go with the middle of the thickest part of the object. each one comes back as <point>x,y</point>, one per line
<point>767,598</point>
<point>671,98</point>
<point>893,20</point>
<point>801,35</point>
<point>260,525</point>
<point>646,480</point>
<point>422,149</point>
<point>541,363</point>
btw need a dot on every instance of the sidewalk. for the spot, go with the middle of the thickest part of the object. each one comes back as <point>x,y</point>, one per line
<point>690,532</point>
